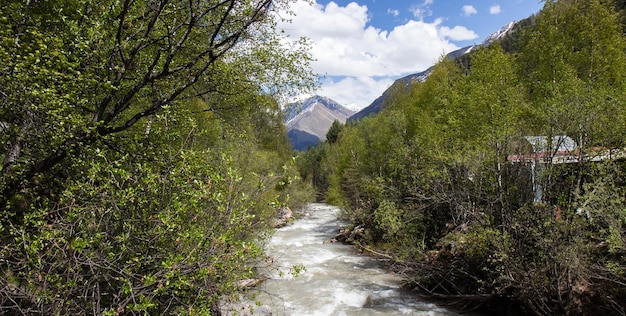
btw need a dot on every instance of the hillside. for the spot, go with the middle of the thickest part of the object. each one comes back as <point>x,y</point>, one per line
<point>379,103</point>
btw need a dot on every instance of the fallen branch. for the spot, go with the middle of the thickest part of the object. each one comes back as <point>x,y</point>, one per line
<point>380,254</point>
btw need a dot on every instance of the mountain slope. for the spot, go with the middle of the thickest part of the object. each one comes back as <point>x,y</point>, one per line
<point>379,103</point>
<point>308,121</point>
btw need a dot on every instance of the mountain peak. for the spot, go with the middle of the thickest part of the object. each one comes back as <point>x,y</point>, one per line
<point>499,33</point>
<point>297,108</point>
<point>308,120</point>
<point>325,101</point>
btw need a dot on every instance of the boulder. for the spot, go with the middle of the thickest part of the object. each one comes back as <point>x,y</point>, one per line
<point>285,213</point>
<point>283,216</point>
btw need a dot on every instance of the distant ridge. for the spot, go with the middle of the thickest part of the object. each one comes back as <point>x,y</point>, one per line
<point>379,103</point>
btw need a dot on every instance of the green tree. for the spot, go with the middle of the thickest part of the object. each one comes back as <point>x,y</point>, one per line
<point>333,132</point>
<point>143,152</point>
<point>439,193</point>
<point>573,60</point>
<point>114,65</point>
<point>491,112</point>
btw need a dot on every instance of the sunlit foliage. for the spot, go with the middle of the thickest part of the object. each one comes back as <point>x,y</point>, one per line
<point>143,152</point>
<point>429,179</point>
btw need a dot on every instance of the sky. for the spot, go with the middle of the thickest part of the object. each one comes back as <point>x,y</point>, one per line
<point>360,47</point>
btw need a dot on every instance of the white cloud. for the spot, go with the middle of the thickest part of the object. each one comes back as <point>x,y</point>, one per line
<point>393,12</point>
<point>422,10</point>
<point>354,92</point>
<point>468,10</point>
<point>358,55</point>
<point>331,20</point>
<point>495,9</point>
<point>457,33</point>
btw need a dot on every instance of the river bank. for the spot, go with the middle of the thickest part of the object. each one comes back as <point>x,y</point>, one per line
<point>335,279</point>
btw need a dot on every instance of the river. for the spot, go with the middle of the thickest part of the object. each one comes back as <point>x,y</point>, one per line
<point>336,279</point>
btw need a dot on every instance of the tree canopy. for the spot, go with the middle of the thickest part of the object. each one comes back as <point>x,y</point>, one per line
<point>143,151</point>
<point>433,181</point>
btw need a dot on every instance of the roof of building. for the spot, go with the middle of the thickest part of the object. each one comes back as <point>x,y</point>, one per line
<point>559,143</point>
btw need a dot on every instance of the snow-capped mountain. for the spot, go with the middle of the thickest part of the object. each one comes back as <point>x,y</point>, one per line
<point>308,121</point>
<point>499,34</point>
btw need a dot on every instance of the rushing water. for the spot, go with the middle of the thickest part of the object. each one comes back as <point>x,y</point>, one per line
<point>337,281</point>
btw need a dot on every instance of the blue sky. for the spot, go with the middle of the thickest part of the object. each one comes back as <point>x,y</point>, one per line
<point>482,17</point>
<point>362,46</point>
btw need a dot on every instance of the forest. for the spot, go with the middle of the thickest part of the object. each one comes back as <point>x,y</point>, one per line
<point>499,182</point>
<point>144,154</point>
<point>144,158</point>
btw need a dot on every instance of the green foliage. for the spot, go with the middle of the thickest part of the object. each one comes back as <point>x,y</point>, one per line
<point>388,218</point>
<point>431,177</point>
<point>333,132</point>
<point>309,165</point>
<point>602,202</point>
<point>572,60</point>
<point>143,152</point>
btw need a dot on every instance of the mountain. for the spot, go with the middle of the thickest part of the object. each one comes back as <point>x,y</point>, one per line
<point>308,121</point>
<point>379,103</point>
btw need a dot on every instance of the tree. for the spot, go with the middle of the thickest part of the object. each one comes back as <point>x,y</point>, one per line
<point>114,65</point>
<point>428,179</point>
<point>333,132</point>
<point>143,152</point>
<point>573,60</point>
<point>491,115</point>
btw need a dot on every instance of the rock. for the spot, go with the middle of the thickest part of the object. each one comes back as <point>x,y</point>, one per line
<point>248,283</point>
<point>373,300</point>
<point>368,302</point>
<point>285,213</point>
<point>342,235</point>
<point>348,235</point>
<point>284,216</point>
<point>357,232</point>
